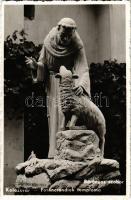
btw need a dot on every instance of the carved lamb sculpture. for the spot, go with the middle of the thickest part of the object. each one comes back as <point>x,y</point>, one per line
<point>76,108</point>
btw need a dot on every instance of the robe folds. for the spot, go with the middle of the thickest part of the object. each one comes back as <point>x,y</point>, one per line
<point>52,56</point>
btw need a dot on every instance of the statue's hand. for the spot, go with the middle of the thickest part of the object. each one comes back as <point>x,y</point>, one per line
<point>31,62</point>
<point>78,90</point>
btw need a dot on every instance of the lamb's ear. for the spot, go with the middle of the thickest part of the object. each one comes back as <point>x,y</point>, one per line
<point>57,75</point>
<point>75,76</point>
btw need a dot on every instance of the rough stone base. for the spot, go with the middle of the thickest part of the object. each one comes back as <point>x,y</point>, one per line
<point>77,145</point>
<point>77,168</point>
<point>49,175</point>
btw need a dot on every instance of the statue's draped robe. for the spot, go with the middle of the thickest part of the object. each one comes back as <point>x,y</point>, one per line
<point>52,56</point>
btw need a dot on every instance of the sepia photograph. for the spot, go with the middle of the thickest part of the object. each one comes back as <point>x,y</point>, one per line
<point>65,99</point>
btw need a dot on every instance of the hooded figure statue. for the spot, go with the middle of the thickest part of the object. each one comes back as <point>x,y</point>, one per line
<point>62,46</point>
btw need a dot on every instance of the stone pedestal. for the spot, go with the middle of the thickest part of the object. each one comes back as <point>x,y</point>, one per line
<point>76,168</point>
<point>77,145</point>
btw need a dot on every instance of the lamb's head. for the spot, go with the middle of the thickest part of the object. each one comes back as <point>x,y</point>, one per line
<point>65,74</point>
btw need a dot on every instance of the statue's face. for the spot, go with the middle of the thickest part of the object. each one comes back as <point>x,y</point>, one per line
<point>65,34</point>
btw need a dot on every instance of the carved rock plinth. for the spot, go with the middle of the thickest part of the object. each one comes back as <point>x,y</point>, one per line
<point>77,167</point>
<point>77,145</point>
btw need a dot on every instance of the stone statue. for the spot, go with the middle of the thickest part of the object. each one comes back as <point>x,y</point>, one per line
<point>77,126</point>
<point>62,46</point>
<point>75,107</point>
